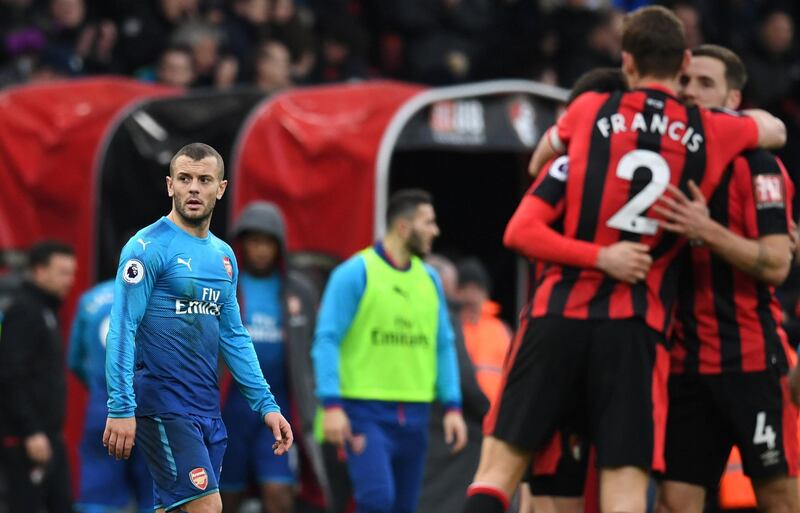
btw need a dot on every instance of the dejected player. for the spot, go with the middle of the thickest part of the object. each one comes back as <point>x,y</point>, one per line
<point>174,311</point>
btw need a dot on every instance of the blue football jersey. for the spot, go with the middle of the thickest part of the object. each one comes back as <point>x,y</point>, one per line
<point>174,311</point>
<point>87,347</point>
<point>262,312</point>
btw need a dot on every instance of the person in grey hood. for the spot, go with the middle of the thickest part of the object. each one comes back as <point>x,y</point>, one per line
<point>278,309</point>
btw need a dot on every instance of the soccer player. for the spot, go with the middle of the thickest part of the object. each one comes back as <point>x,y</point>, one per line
<point>558,474</point>
<point>278,309</point>
<point>383,351</point>
<point>174,311</point>
<point>106,485</point>
<point>730,356</point>
<point>600,313</point>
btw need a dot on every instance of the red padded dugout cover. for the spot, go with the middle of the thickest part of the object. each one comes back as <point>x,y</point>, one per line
<point>50,135</point>
<point>313,152</point>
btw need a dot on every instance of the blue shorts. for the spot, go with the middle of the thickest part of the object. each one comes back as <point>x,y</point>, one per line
<point>249,457</point>
<point>108,483</point>
<point>387,475</point>
<point>184,454</point>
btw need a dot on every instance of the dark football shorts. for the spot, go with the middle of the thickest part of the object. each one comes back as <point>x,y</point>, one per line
<point>617,368</point>
<point>559,470</point>
<point>709,414</point>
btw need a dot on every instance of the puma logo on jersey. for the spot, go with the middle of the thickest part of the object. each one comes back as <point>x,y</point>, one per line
<point>187,263</point>
<point>144,243</point>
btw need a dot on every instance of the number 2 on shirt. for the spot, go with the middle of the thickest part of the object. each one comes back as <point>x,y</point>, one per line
<point>629,218</point>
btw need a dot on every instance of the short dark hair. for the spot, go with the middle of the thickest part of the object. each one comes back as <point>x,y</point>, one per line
<point>654,36</point>
<point>404,203</point>
<point>198,151</point>
<point>599,80</point>
<point>735,72</point>
<point>179,48</point>
<point>471,270</point>
<point>40,253</point>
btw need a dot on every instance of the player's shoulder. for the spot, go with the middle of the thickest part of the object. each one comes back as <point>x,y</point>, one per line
<point>220,245</point>
<point>351,269</point>
<point>758,161</point>
<point>590,101</point>
<point>97,296</point>
<point>153,238</point>
<point>719,115</point>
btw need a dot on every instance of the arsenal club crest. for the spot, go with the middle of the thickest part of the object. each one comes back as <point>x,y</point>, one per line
<point>199,478</point>
<point>228,267</point>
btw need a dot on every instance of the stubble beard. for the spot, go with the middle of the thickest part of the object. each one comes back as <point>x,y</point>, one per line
<point>415,246</point>
<point>196,221</point>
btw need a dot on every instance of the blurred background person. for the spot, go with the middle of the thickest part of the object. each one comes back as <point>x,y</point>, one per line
<point>176,67</point>
<point>446,470</point>
<point>486,336</point>
<point>383,351</point>
<point>273,67</point>
<point>107,485</point>
<point>33,385</point>
<point>278,308</point>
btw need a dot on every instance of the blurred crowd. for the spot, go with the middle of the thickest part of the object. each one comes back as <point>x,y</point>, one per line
<point>277,43</point>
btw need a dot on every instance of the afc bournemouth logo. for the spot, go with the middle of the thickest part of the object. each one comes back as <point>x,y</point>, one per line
<point>228,267</point>
<point>768,189</point>
<point>199,478</point>
<point>522,116</point>
<point>133,272</point>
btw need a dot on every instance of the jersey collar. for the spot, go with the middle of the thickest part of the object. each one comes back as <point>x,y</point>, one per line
<point>652,86</point>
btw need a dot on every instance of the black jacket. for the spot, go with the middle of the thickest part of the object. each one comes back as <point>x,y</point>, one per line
<point>32,376</point>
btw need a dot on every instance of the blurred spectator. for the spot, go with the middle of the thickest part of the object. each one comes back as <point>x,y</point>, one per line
<point>444,39</point>
<point>445,471</point>
<point>580,37</point>
<point>773,68</point>
<point>204,40</point>
<point>273,67</point>
<point>245,24</point>
<point>486,336</point>
<point>690,15</point>
<point>341,54</point>
<point>33,385</point>
<point>84,45</point>
<point>176,67</point>
<point>772,64</point>
<point>294,30</point>
<point>22,40</point>
<point>145,29</point>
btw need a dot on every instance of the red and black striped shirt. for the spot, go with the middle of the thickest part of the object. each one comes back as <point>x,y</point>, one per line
<point>623,149</point>
<point>726,320</point>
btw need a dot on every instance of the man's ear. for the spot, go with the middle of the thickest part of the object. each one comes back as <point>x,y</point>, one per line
<point>223,185</point>
<point>734,99</point>
<point>687,58</point>
<point>170,191</point>
<point>629,67</point>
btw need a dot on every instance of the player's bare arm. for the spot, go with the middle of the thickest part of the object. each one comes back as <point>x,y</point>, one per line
<point>771,130</point>
<point>767,259</point>
<point>119,436</point>
<point>543,154</point>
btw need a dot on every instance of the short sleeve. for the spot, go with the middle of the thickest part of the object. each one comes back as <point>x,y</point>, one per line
<point>562,133</point>
<point>729,134</point>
